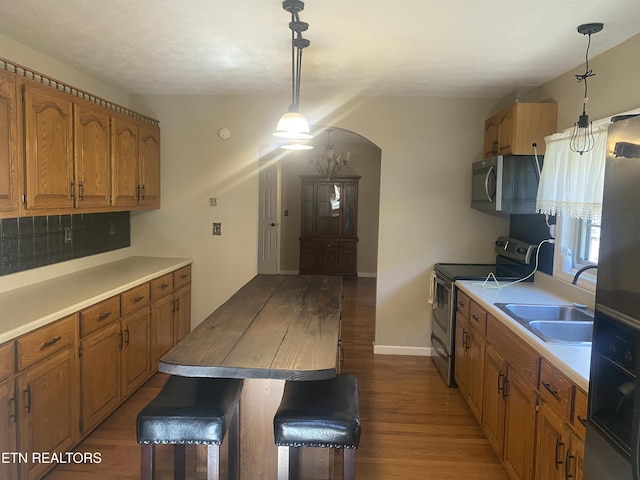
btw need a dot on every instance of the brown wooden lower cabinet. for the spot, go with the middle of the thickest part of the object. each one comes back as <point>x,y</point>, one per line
<point>470,352</point>
<point>8,421</point>
<point>182,315</point>
<point>136,343</point>
<point>49,407</point>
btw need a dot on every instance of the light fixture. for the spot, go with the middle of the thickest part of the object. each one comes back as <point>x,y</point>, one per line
<point>292,125</point>
<point>582,137</point>
<point>330,162</point>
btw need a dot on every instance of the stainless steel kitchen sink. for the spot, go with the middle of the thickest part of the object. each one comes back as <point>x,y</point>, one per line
<point>561,324</point>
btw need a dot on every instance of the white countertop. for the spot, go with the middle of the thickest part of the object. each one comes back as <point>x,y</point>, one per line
<point>27,308</point>
<point>573,360</point>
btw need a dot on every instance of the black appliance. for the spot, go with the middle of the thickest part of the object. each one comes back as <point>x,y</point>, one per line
<point>514,260</point>
<point>612,445</point>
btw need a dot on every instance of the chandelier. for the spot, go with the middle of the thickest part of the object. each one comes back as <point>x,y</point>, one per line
<point>582,137</point>
<point>293,126</point>
<point>330,162</point>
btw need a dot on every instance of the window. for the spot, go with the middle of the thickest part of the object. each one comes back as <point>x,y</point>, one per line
<point>577,245</point>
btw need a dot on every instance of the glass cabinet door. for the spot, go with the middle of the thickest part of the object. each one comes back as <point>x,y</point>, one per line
<point>350,198</point>
<point>329,208</point>
<point>306,220</point>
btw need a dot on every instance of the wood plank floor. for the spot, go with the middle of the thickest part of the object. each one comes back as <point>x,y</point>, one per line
<point>413,426</point>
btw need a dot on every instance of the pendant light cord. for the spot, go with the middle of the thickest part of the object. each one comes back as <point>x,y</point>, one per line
<point>583,77</point>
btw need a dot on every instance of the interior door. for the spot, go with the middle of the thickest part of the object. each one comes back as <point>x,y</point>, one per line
<point>268,224</point>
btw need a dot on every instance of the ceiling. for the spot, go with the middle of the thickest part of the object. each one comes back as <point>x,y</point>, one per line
<point>463,48</point>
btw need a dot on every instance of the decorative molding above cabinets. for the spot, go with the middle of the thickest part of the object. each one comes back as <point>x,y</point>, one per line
<point>63,150</point>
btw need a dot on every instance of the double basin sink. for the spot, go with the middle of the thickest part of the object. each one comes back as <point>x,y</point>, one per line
<point>557,324</point>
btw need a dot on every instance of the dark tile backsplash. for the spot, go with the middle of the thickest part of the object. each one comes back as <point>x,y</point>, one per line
<point>533,229</point>
<point>31,242</point>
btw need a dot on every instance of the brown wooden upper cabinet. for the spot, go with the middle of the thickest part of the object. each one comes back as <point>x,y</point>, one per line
<point>513,130</point>
<point>135,150</point>
<point>48,133</point>
<point>9,192</point>
<point>62,151</point>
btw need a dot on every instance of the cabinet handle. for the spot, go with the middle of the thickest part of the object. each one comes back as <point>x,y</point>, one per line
<point>558,456</point>
<point>460,304</point>
<point>475,317</point>
<point>138,299</point>
<point>177,305</point>
<point>137,192</point>
<point>505,388</point>
<point>184,275</point>
<point>81,189</point>
<point>163,286</point>
<point>583,421</point>
<point>567,457</point>
<point>104,316</point>
<point>464,339</point>
<point>126,337</point>
<point>51,342</point>
<point>27,397</point>
<point>119,340</point>
<point>547,387</point>
<point>73,190</point>
<point>14,415</point>
<point>501,386</point>
<point>142,194</point>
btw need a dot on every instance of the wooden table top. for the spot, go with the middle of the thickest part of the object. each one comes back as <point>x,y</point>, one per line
<point>276,326</point>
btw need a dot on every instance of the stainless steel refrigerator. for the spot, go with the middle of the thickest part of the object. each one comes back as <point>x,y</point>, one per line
<point>612,441</point>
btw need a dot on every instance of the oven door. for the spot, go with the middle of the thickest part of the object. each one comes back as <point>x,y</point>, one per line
<point>442,317</point>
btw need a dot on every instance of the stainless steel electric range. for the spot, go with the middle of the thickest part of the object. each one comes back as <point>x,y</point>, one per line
<point>514,260</point>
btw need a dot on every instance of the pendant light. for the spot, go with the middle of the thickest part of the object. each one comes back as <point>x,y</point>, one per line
<point>582,137</point>
<point>293,126</point>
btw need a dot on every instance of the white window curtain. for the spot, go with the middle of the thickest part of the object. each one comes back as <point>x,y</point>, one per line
<point>570,183</point>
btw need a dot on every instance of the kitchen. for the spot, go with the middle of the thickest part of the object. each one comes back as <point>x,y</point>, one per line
<point>414,179</point>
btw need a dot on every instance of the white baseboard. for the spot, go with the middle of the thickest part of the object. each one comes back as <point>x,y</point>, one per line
<point>399,350</point>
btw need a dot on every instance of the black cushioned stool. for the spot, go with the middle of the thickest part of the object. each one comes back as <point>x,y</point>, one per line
<point>191,411</point>
<point>319,413</point>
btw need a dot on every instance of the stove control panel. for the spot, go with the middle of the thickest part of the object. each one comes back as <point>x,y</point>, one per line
<point>515,249</point>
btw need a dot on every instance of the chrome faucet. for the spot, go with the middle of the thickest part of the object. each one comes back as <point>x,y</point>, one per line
<point>579,272</point>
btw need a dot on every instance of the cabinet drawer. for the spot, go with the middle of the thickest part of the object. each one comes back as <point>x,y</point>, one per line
<point>462,304</point>
<point>99,315</point>
<point>38,344</point>
<point>517,353</point>
<point>134,299</point>
<point>161,286</point>
<point>7,360</point>
<point>556,389</point>
<point>579,419</point>
<point>478,317</point>
<point>182,277</point>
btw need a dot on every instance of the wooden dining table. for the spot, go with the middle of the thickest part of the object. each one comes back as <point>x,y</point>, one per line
<point>275,328</point>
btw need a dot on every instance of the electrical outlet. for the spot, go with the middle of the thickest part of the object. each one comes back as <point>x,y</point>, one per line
<point>213,202</point>
<point>68,235</point>
<point>217,228</point>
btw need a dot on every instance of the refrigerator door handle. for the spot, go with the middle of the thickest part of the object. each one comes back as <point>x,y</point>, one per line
<point>635,438</point>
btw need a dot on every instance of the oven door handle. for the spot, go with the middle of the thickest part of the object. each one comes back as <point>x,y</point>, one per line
<point>435,341</point>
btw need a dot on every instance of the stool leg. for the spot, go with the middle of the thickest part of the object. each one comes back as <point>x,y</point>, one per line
<point>178,462</point>
<point>349,464</point>
<point>283,463</point>
<point>213,462</point>
<point>294,463</point>
<point>147,461</point>
<point>234,446</point>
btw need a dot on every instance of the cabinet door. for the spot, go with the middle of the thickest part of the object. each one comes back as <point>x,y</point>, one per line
<point>182,317</point>
<point>461,364</point>
<point>350,210</point>
<point>475,372</point>
<point>493,406</point>
<point>48,125</point>
<point>574,460</point>
<point>49,408</point>
<point>519,427</point>
<point>149,155</point>
<point>491,137</point>
<point>552,445</point>
<point>124,162</point>
<point>162,330</point>
<point>92,155</point>
<point>99,375</point>
<point>505,131</point>
<point>9,191</point>
<point>135,351</point>
<point>329,209</point>
<point>8,419</point>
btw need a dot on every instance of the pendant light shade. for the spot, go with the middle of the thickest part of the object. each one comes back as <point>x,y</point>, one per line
<point>293,125</point>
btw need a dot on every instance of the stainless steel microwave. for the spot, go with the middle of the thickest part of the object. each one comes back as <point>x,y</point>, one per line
<point>506,183</point>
